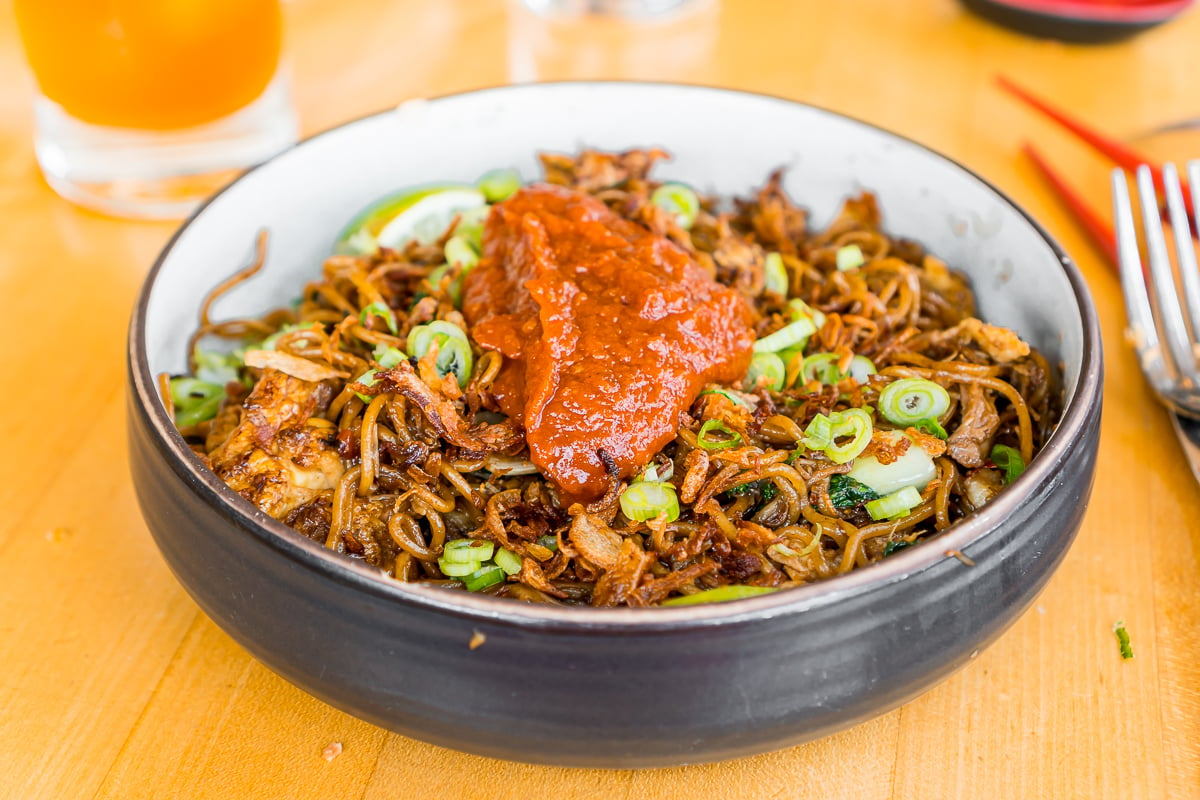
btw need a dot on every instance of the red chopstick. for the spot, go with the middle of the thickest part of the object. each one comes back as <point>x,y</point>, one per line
<point>1120,154</point>
<point>1097,228</point>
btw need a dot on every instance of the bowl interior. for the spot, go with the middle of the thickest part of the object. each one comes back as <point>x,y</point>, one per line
<point>721,141</point>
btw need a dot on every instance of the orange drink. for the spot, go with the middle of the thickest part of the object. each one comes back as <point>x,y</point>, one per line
<point>140,100</point>
<point>151,64</point>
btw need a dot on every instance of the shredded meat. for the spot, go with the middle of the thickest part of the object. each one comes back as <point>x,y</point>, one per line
<point>444,416</point>
<point>272,458</point>
<point>593,170</point>
<point>1000,343</point>
<point>979,486</point>
<point>970,443</point>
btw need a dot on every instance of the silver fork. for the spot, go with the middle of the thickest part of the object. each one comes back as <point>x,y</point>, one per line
<point>1172,368</point>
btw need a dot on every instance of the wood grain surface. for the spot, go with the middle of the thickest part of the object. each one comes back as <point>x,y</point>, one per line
<point>114,685</point>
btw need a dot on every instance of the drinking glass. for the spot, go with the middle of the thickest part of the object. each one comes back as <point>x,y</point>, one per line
<point>145,107</point>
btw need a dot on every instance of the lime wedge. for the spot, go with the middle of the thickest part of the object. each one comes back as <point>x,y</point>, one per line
<point>422,213</point>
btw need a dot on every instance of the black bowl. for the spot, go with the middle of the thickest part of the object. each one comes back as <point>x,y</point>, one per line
<point>1078,21</point>
<point>625,687</point>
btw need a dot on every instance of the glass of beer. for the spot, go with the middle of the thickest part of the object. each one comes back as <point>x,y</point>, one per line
<point>145,107</point>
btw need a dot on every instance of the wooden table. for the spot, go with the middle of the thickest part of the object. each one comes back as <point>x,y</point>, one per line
<point>114,685</point>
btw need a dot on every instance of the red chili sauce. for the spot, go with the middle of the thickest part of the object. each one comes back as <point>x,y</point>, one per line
<point>608,332</point>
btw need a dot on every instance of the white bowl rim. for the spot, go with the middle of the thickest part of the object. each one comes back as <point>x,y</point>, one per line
<point>1083,403</point>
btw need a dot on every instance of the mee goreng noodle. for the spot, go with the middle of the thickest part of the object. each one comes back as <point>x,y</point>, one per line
<point>605,390</point>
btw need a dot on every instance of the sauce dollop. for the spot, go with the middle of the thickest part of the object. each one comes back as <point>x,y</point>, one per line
<point>608,330</point>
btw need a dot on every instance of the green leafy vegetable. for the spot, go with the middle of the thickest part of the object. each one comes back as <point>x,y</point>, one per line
<point>931,427</point>
<point>846,492</point>
<point>1009,460</point>
<point>767,490</point>
<point>892,547</point>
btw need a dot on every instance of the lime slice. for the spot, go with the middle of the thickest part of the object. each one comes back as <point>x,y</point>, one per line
<point>422,213</point>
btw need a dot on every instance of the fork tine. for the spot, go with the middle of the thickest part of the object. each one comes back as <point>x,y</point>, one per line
<point>1186,253</point>
<point>1170,310</point>
<point>1141,328</point>
<point>1170,314</point>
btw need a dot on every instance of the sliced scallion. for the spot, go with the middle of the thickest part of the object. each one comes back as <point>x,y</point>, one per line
<point>775,274</point>
<point>731,396</point>
<point>466,551</point>
<point>217,368</point>
<point>499,184</point>
<point>852,430</point>
<point>548,542</point>
<point>766,370</point>
<point>195,400</point>
<point>420,337</point>
<point>850,257</point>
<point>1009,460</point>
<point>457,569</point>
<point>794,334</point>
<point>648,500</point>
<point>455,356</point>
<point>270,342</point>
<point>1123,643</point>
<point>381,310</point>
<point>454,351</point>
<point>721,594</point>
<point>910,400</point>
<point>483,577</point>
<point>798,309</point>
<point>819,433</point>
<point>388,357</point>
<point>453,291</point>
<point>470,226</point>
<point>460,253</point>
<point>894,505</point>
<point>823,368</point>
<point>679,200</point>
<point>932,427</point>
<point>508,561</point>
<point>716,435</point>
<point>861,368</point>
